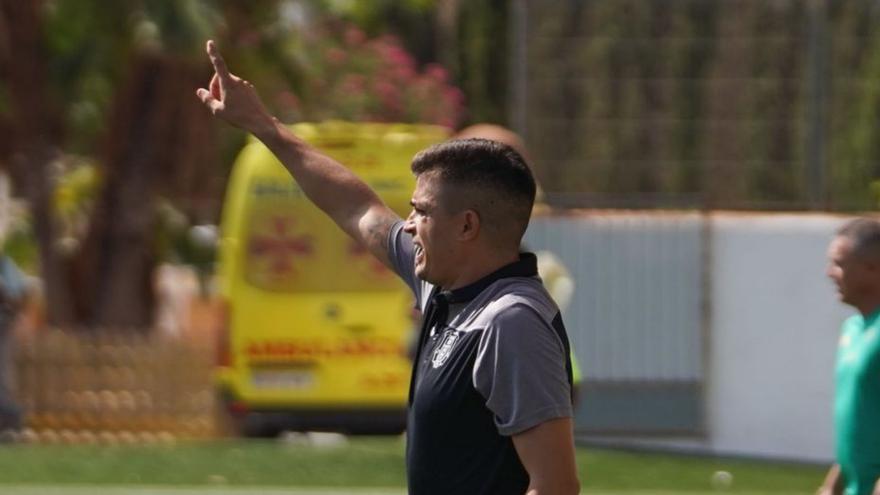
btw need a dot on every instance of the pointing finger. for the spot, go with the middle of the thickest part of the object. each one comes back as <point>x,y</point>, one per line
<point>218,62</point>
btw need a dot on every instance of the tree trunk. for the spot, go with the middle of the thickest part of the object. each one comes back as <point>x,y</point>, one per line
<point>158,136</point>
<point>36,132</point>
<point>159,140</point>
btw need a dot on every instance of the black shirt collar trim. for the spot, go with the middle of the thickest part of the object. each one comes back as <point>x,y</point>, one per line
<point>527,266</point>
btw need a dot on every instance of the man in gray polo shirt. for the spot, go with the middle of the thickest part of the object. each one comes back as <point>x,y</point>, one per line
<point>490,397</point>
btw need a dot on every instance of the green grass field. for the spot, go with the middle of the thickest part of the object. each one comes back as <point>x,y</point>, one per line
<point>368,466</point>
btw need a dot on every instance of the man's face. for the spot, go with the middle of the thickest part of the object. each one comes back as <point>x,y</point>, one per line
<point>853,275</point>
<point>433,231</point>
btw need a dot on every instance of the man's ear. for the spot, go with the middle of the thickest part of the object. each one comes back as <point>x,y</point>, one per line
<point>470,225</point>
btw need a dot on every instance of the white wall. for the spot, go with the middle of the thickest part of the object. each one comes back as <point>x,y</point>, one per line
<point>774,327</point>
<point>772,336</point>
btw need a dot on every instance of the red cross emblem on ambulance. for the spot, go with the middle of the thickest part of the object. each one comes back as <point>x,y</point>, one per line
<point>278,245</point>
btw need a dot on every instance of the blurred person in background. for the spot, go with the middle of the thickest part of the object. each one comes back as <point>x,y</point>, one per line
<point>854,267</point>
<point>490,408</point>
<point>553,272</point>
<point>12,298</point>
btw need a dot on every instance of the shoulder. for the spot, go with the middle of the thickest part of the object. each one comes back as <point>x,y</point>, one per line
<point>852,324</point>
<point>517,314</point>
<point>508,300</point>
<point>520,315</point>
<point>850,330</point>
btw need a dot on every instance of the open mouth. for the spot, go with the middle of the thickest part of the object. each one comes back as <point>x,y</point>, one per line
<point>419,252</point>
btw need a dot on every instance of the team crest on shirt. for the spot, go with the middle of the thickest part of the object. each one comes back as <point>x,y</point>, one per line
<point>444,350</point>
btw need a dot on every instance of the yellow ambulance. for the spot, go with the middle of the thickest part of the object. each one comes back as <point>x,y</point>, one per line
<point>315,328</point>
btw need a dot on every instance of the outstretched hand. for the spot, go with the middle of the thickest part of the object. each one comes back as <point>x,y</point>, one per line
<point>232,98</point>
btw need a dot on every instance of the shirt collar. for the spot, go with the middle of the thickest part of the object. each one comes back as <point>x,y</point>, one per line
<point>526,266</point>
<point>868,320</point>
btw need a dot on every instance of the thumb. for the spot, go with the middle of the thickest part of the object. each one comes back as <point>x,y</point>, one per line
<point>209,100</point>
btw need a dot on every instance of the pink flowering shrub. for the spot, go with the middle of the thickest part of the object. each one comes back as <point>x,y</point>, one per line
<point>350,77</point>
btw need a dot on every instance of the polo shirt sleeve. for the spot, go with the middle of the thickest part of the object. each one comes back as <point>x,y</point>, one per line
<point>401,253</point>
<point>520,371</point>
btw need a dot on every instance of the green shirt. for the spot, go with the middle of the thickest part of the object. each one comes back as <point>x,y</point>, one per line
<point>857,403</point>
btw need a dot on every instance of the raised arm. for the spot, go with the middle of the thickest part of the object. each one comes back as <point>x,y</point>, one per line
<point>330,186</point>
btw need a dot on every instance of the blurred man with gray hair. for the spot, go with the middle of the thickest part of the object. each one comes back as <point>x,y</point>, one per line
<point>854,267</point>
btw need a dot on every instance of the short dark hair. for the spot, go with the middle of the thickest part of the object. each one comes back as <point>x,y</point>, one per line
<point>494,179</point>
<point>864,234</point>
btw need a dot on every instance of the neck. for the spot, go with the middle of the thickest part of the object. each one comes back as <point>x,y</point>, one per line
<point>868,308</point>
<point>478,266</point>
